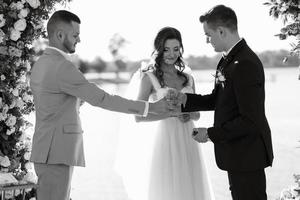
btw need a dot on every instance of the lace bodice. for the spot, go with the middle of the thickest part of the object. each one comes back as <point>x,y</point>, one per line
<point>160,92</point>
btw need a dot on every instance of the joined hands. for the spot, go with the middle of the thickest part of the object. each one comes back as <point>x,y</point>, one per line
<point>171,103</point>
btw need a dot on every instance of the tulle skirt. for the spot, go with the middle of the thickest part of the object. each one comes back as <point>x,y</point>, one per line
<point>161,161</point>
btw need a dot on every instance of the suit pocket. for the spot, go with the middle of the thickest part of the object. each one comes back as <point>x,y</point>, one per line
<point>72,129</point>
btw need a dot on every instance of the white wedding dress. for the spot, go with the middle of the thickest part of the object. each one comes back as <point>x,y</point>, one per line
<point>164,162</point>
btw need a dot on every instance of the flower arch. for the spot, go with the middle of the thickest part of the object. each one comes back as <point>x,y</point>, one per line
<point>21,23</point>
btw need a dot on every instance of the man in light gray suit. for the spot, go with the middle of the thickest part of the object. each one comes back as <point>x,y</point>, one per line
<point>57,88</point>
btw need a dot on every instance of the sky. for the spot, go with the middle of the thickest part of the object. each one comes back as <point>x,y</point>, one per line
<point>138,21</point>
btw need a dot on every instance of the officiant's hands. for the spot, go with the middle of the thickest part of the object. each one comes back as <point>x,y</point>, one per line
<point>200,135</point>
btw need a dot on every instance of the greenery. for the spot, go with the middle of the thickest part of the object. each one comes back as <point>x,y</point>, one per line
<point>292,192</point>
<point>289,12</point>
<point>21,22</point>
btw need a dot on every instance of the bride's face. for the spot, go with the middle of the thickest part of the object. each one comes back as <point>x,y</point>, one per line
<point>171,51</point>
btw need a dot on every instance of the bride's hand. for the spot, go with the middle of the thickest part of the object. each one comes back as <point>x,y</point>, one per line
<point>184,117</point>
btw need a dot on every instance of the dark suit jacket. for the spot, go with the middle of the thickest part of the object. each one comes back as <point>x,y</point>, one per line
<point>241,134</point>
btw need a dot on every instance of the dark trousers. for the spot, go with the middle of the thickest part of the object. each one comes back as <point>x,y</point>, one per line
<point>247,185</point>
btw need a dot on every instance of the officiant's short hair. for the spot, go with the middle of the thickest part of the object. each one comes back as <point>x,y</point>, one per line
<point>61,16</point>
<point>220,15</point>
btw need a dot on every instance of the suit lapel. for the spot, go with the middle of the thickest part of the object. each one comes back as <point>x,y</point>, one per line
<point>235,50</point>
<point>226,60</point>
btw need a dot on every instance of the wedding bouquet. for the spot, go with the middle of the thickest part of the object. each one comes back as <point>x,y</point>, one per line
<point>172,96</point>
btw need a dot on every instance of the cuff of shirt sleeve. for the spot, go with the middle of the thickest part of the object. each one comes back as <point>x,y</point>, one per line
<point>146,109</point>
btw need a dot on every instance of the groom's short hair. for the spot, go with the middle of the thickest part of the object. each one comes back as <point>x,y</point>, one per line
<point>220,15</point>
<point>58,17</point>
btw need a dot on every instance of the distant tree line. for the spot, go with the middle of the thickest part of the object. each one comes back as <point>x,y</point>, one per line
<point>268,58</point>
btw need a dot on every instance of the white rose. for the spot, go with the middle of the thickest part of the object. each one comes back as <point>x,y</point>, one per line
<point>27,155</point>
<point>15,34</point>
<point>28,166</point>
<point>20,25</point>
<point>32,198</point>
<point>18,6</point>
<point>15,92</point>
<point>27,98</point>
<point>10,131</point>
<point>23,13</point>
<point>2,20</point>
<point>30,177</point>
<point>2,77</point>
<point>11,121</point>
<point>221,78</point>
<point>20,103</point>
<point>34,3</point>
<point>4,161</point>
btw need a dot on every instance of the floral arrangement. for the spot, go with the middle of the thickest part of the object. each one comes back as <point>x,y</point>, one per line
<point>21,23</point>
<point>289,12</point>
<point>172,96</point>
<point>220,78</point>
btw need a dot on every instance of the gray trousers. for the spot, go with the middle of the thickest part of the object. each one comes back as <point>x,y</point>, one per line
<point>54,181</point>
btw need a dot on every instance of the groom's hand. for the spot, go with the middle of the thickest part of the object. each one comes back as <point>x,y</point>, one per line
<point>200,135</point>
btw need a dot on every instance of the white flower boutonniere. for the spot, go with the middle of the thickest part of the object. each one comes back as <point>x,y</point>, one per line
<point>220,78</point>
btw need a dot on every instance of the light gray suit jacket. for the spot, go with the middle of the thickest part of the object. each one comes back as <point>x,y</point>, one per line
<point>57,86</point>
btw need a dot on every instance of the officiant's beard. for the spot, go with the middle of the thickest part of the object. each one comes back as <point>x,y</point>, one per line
<point>69,46</point>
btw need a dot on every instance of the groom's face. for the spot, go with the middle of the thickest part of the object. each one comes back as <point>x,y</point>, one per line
<point>213,37</point>
<point>71,37</point>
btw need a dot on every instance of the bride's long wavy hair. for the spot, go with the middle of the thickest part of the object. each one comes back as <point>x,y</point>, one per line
<point>162,36</point>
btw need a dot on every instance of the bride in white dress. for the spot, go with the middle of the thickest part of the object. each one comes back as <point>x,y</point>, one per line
<point>175,169</point>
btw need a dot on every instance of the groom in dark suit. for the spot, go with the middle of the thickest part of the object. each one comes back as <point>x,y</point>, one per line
<point>241,134</point>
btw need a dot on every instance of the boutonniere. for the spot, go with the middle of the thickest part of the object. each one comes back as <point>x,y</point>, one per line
<point>220,78</point>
